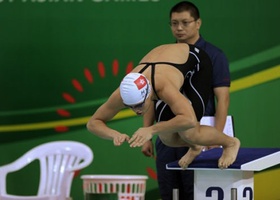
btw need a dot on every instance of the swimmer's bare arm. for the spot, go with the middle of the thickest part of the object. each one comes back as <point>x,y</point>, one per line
<point>184,116</point>
<point>148,120</point>
<point>97,123</point>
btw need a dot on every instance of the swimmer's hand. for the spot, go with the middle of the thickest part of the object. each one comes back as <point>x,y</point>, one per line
<point>140,137</point>
<point>119,139</point>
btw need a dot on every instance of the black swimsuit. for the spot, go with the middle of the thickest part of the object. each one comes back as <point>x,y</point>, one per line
<point>197,71</point>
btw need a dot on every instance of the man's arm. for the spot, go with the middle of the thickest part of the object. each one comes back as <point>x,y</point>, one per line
<point>221,82</point>
<point>223,99</point>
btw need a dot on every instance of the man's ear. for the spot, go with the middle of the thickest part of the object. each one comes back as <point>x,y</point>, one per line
<point>198,23</point>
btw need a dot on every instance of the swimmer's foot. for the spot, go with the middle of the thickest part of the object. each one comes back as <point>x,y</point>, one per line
<point>190,156</point>
<point>229,154</point>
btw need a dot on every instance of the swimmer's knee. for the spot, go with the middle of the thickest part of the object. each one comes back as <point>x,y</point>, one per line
<point>191,122</point>
<point>190,135</point>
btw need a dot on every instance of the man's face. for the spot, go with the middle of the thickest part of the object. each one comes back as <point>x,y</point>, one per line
<point>184,27</point>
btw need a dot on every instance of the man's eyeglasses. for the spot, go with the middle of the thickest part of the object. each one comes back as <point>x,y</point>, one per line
<point>139,105</point>
<point>175,24</point>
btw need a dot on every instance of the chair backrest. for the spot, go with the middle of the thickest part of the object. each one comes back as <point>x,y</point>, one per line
<point>58,162</point>
<point>13,197</point>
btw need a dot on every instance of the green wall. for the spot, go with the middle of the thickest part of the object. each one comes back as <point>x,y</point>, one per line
<point>60,59</point>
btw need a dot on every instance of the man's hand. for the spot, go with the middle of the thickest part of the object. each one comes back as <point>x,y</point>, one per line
<point>140,137</point>
<point>148,149</point>
<point>119,139</point>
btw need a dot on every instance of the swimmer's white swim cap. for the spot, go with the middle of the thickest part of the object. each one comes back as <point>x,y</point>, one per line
<point>133,88</point>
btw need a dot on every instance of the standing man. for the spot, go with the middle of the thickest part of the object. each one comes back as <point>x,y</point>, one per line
<point>185,23</point>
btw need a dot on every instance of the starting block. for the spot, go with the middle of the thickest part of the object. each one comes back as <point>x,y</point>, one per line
<point>236,182</point>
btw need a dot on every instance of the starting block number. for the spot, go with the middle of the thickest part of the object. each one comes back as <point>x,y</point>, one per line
<point>247,193</point>
<point>226,182</point>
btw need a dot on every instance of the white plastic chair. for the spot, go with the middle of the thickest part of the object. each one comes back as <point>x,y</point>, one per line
<point>58,162</point>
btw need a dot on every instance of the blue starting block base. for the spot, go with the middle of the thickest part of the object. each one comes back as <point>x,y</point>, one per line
<point>212,183</point>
